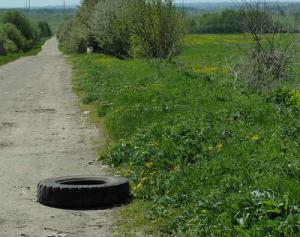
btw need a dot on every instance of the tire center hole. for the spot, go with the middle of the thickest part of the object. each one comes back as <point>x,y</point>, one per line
<point>82,182</point>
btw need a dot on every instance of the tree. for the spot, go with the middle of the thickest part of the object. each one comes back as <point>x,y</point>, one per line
<point>147,28</point>
<point>111,26</point>
<point>44,27</point>
<point>15,35</point>
<point>22,23</point>
<point>158,28</point>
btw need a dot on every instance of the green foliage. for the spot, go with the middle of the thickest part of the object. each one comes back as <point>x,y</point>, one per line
<point>111,26</point>
<point>158,29</point>
<point>11,56</point>
<point>73,36</point>
<point>19,36</point>
<point>22,23</point>
<point>10,46</point>
<point>54,17</point>
<point>2,49</point>
<point>6,44</point>
<point>227,21</point>
<point>45,30</point>
<point>204,158</point>
<point>15,36</point>
<point>126,28</point>
<point>233,21</point>
<point>2,40</point>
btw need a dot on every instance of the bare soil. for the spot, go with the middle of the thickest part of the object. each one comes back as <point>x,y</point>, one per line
<point>44,134</point>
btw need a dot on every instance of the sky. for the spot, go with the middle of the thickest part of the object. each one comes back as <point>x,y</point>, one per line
<point>39,3</point>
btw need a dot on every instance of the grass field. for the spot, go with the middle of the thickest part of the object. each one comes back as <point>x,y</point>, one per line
<point>34,51</point>
<point>204,156</point>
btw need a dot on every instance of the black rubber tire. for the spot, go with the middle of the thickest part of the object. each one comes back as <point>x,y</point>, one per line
<point>83,192</point>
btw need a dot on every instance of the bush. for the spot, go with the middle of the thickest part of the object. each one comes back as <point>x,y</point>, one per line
<point>10,46</point>
<point>22,23</point>
<point>73,36</point>
<point>6,45</point>
<point>111,26</point>
<point>2,50</point>
<point>2,40</point>
<point>15,35</point>
<point>270,59</point>
<point>125,28</point>
<point>158,28</point>
<point>44,28</point>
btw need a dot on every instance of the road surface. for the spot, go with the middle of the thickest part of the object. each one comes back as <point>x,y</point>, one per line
<point>44,134</point>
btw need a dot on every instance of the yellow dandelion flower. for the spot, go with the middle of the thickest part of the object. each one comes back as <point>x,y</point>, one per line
<point>220,146</point>
<point>149,164</point>
<point>255,138</point>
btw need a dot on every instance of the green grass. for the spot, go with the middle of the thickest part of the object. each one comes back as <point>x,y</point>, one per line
<point>205,157</point>
<point>32,52</point>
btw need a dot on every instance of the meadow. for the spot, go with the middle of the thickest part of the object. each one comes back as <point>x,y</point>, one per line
<point>205,156</point>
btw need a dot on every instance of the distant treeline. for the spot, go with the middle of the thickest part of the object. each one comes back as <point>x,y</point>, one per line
<point>54,16</point>
<point>18,33</point>
<point>227,21</point>
<point>231,21</point>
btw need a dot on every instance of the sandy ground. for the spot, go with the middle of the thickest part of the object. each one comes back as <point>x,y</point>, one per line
<point>43,134</point>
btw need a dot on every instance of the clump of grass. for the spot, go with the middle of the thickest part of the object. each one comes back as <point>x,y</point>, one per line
<point>204,158</point>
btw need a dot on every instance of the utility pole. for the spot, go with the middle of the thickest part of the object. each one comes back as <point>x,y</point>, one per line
<point>64,5</point>
<point>29,4</point>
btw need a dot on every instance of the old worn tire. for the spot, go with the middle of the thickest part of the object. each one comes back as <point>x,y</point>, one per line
<point>82,192</point>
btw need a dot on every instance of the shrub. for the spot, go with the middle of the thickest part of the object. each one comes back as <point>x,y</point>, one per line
<point>158,28</point>
<point>111,26</point>
<point>2,50</point>
<point>2,39</point>
<point>22,23</point>
<point>126,28</point>
<point>73,36</point>
<point>44,28</point>
<point>269,59</point>
<point>10,46</point>
<point>15,35</point>
<point>6,45</point>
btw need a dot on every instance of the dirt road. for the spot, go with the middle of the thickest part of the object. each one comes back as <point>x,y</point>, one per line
<point>43,134</point>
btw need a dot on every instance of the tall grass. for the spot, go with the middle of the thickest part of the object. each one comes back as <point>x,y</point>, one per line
<point>204,158</point>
